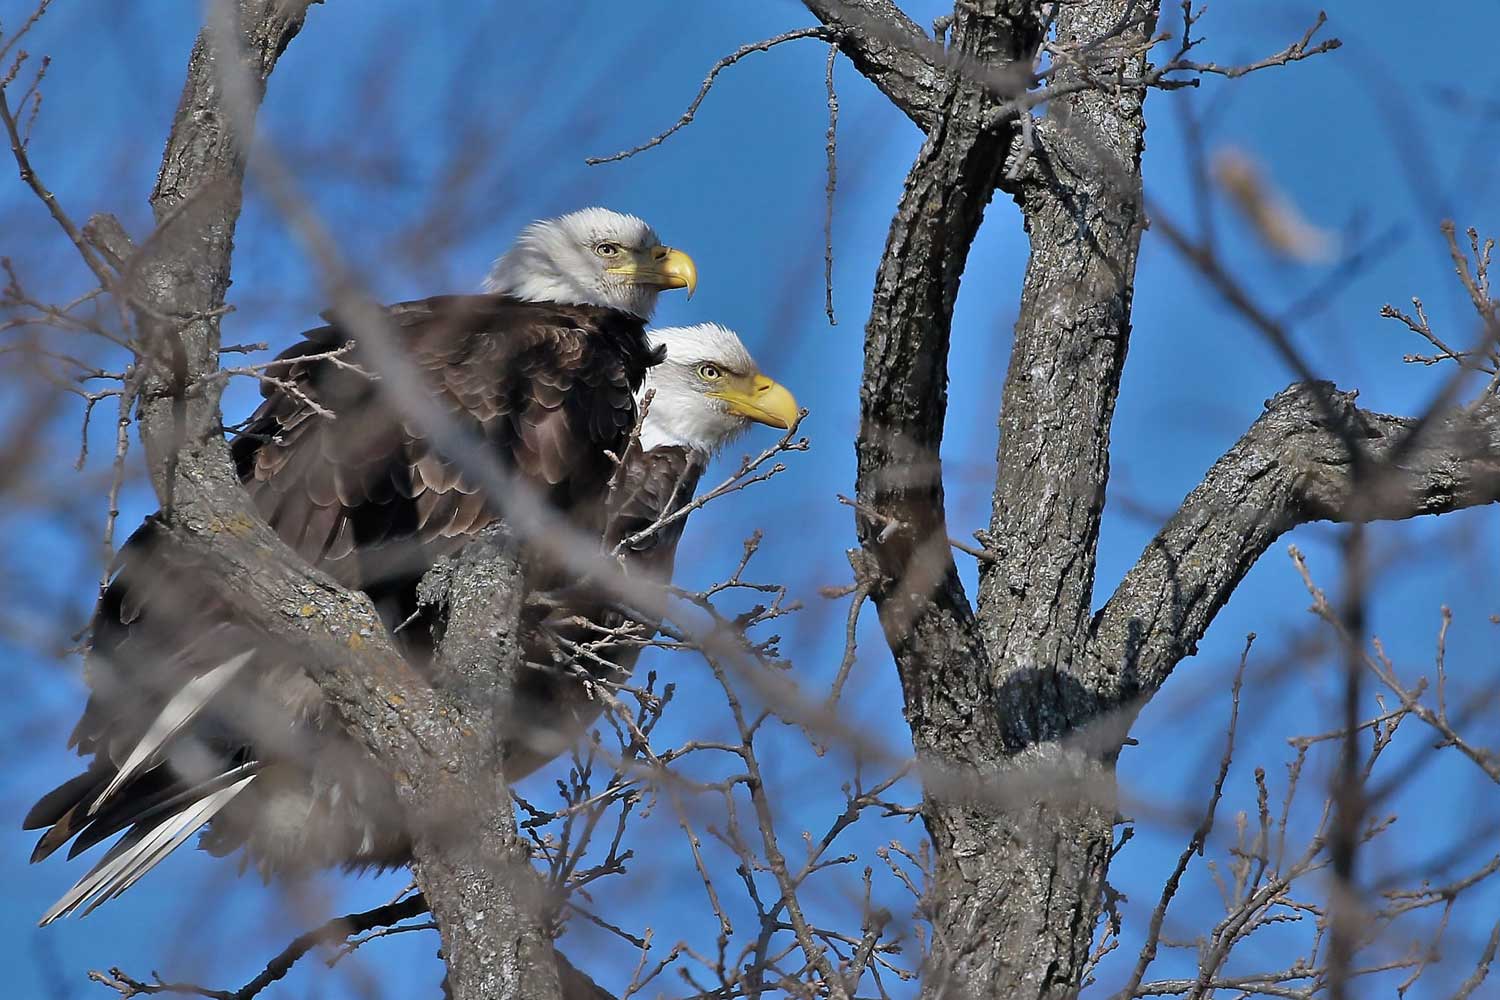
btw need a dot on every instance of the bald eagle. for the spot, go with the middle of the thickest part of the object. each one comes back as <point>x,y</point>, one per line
<point>544,367</point>
<point>705,394</point>
<point>183,736</point>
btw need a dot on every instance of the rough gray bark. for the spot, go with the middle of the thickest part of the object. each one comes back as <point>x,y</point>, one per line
<point>1018,708</point>
<point>1037,867</point>
<point>438,745</point>
<point>1016,876</point>
<point>1289,468</point>
<point>178,280</point>
<point>921,602</point>
<point>469,862</point>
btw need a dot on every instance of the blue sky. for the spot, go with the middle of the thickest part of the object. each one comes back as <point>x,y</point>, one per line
<point>483,123</point>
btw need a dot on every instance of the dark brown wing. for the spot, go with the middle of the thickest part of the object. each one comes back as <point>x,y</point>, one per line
<point>186,706</point>
<point>366,496</point>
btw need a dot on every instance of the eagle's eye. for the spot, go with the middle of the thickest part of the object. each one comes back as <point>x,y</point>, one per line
<point>709,372</point>
<point>607,249</point>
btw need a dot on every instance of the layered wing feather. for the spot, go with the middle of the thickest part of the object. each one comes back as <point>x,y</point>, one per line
<point>368,497</point>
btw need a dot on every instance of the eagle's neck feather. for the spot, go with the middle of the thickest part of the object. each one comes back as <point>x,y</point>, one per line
<point>681,419</point>
<point>521,276</point>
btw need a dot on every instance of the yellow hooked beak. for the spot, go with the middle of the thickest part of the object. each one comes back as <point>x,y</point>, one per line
<point>659,267</point>
<point>760,399</point>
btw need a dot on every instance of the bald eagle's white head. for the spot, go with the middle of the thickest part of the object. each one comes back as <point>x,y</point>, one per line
<point>592,257</point>
<point>708,391</point>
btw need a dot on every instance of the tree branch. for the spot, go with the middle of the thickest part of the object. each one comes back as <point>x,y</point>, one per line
<point>1081,197</point>
<point>486,898</point>
<point>1291,467</point>
<point>890,50</point>
<point>928,621</point>
<point>181,275</point>
<point>713,74</point>
<point>1017,881</point>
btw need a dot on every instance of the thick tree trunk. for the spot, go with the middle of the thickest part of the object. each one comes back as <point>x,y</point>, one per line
<point>1022,880</point>
<point>486,898</point>
<point>1020,808</point>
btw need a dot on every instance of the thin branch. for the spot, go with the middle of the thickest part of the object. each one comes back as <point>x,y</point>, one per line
<point>1482,968</point>
<point>34,181</point>
<point>746,475</point>
<point>335,931</point>
<point>831,147</point>
<point>708,82</point>
<point>1198,840</point>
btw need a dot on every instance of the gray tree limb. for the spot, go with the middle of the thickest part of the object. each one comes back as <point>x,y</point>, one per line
<point>926,615</point>
<point>438,745</point>
<point>474,871</point>
<point>1021,900</point>
<point>178,280</point>
<point>1082,205</point>
<point>1016,882</point>
<point>1289,468</point>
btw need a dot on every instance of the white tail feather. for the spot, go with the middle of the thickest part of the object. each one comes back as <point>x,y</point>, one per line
<point>124,865</point>
<point>205,807</point>
<point>182,709</point>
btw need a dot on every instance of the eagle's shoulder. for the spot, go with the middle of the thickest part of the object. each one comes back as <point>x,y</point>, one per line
<point>488,329</point>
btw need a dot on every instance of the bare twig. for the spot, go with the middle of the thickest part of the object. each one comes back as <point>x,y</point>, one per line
<point>33,181</point>
<point>1198,840</point>
<point>831,147</point>
<point>334,931</point>
<point>708,82</point>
